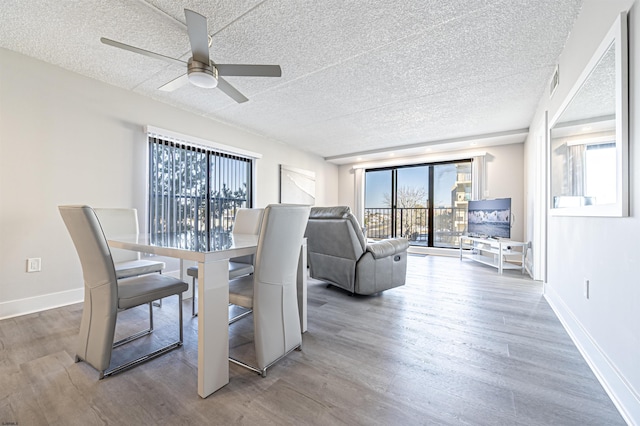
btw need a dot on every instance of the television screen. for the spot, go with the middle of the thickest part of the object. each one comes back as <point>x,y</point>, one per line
<point>490,218</point>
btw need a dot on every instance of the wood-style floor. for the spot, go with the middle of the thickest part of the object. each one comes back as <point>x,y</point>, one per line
<point>459,344</point>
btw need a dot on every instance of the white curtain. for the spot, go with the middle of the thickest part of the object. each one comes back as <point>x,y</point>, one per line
<point>358,202</point>
<point>576,174</point>
<point>477,177</point>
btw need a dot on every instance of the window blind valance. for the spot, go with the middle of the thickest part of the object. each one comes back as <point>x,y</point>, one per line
<point>168,135</point>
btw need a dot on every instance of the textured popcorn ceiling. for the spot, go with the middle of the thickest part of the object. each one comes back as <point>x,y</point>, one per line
<point>358,77</point>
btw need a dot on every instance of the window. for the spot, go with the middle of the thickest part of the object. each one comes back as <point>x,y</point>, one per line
<point>427,203</point>
<point>600,176</point>
<point>194,193</point>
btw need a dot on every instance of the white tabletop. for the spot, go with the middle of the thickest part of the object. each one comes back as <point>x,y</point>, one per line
<point>235,245</point>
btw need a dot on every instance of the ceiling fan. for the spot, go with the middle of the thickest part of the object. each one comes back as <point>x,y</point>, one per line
<point>201,71</point>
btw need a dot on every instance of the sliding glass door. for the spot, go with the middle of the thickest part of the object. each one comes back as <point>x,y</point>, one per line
<point>412,203</point>
<point>452,190</point>
<point>378,212</point>
<point>426,203</point>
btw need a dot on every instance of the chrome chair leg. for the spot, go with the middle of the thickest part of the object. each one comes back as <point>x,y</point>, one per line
<point>150,317</point>
<point>180,313</point>
<point>263,371</point>
<point>193,298</point>
<point>239,316</point>
<point>147,357</point>
<point>158,303</point>
<point>139,334</point>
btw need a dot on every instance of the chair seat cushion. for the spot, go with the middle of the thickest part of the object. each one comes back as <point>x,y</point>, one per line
<point>192,271</point>
<point>132,268</point>
<point>236,269</point>
<point>147,288</point>
<point>241,291</point>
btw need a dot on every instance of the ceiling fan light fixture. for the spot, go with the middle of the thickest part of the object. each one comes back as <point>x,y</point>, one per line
<point>203,79</point>
<point>202,75</point>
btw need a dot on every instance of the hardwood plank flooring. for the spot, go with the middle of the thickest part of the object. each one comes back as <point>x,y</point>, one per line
<point>457,345</point>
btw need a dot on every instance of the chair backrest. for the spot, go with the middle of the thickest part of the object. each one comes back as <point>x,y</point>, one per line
<point>275,303</point>
<point>118,222</point>
<point>100,285</point>
<point>247,221</point>
<point>90,243</point>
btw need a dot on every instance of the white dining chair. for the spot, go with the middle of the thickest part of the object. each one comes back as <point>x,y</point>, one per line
<point>105,295</point>
<point>247,221</point>
<point>271,291</point>
<point>122,222</point>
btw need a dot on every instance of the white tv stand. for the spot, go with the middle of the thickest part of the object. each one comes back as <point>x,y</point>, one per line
<point>499,253</point>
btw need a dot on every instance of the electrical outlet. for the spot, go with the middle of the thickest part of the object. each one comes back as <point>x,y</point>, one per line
<point>34,264</point>
<point>586,289</point>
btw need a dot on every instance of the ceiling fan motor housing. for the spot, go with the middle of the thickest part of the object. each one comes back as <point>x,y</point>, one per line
<point>201,74</point>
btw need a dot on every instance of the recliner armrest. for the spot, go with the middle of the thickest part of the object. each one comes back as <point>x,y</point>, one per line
<point>386,248</point>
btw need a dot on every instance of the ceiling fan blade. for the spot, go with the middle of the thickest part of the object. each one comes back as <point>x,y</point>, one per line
<point>198,36</point>
<point>231,91</point>
<point>174,84</point>
<point>249,70</point>
<point>142,51</point>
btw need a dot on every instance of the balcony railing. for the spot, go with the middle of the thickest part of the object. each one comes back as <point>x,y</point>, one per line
<point>181,220</point>
<point>412,223</point>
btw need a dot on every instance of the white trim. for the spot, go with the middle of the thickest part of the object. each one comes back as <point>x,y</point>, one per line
<point>147,202</point>
<point>434,251</point>
<point>618,38</point>
<point>192,140</point>
<point>29,305</point>
<point>541,188</point>
<point>254,184</point>
<point>626,400</point>
<point>421,159</point>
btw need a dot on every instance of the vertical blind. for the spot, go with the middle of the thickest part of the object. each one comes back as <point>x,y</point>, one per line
<point>194,193</point>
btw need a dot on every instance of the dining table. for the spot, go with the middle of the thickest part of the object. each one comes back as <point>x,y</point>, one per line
<point>213,295</point>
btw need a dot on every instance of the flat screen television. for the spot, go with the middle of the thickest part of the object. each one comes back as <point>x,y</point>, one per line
<point>489,218</point>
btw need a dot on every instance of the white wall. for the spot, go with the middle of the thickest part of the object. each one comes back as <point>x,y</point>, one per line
<point>504,178</point>
<point>67,139</point>
<point>606,327</point>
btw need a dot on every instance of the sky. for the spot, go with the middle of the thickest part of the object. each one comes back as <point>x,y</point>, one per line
<point>378,183</point>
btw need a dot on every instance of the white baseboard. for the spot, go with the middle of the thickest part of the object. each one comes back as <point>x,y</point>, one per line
<point>29,305</point>
<point>621,393</point>
<point>434,251</point>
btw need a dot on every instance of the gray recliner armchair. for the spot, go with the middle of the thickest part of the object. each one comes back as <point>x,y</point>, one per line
<point>339,254</point>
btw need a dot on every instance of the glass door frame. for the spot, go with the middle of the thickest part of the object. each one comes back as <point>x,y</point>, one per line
<point>430,207</point>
